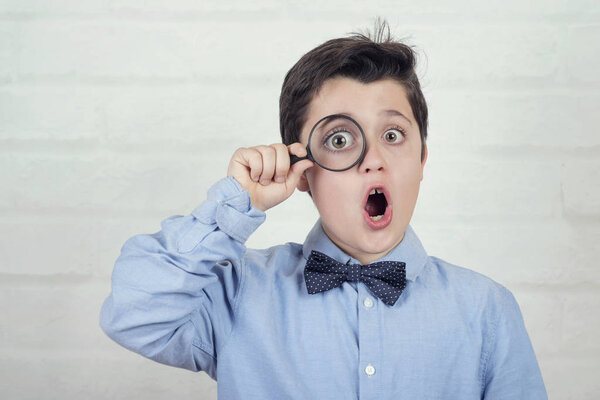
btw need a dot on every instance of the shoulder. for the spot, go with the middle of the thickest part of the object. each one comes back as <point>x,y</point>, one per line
<point>272,270</point>
<point>448,274</point>
<point>282,258</point>
<point>466,286</point>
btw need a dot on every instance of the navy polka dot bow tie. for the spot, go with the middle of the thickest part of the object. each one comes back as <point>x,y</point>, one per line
<point>385,279</point>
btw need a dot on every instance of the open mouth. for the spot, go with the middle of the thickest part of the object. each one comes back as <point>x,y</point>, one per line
<point>376,204</point>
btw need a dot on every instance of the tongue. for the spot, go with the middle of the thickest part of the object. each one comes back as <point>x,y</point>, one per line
<point>376,205</point>
<point>371,208</point>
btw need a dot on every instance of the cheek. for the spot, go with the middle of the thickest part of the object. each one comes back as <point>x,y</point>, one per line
<point>329,193</point>
<point>412,175</point>
<point>408,181</point>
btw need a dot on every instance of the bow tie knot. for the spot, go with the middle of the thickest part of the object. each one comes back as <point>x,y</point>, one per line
<point>385,279</point>
<point>354,272</point>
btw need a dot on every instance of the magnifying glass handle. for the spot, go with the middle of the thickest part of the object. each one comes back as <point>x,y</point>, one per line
<point>294,159</point>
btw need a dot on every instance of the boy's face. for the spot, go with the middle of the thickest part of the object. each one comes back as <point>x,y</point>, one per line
<point>392,163</point>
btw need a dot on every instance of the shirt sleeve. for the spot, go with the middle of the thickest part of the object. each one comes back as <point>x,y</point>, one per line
<point>511,369</point>
<point>175,292</point>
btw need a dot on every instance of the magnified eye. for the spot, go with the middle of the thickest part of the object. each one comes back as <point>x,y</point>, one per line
<point>339,140</point>
<point>393,135</point>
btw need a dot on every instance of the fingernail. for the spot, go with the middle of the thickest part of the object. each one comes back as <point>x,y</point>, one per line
<point>280,179</point>
<point>264,182</point>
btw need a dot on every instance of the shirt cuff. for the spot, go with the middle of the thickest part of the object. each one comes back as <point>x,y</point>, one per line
<point>227,207</point>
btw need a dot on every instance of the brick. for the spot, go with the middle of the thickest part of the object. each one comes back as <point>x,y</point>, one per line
<point>96,49</point>
<point>581,323</point>
<point>581,47</point>
<point>61,184</point>
<point>92,375</point>
<point>52,313</point>
<point>571,378</point>
<point>522,252</point>
<point>499,10</point>
<point>450,113</point>
<point>581,253</point>
<point>581,197</point>
<point>152,50</point>
<point>41,8</point>
<point>542,312</point>
<point>197,117</point>
<point>289,221</point>
<point>182,7</point>
<point>492,187</point>
<point>176,118</point>
<point>89,245</point>
<point>156,50</point>
<point>60,113</point>
<point>79,245</point>
<point>8,51</point>
<point>492,55</point>
<point>339,8</point>
<point>512,10</point>
<point>513,119</point>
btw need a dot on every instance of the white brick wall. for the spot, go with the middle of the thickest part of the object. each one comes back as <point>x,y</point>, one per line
<point>107,109</point>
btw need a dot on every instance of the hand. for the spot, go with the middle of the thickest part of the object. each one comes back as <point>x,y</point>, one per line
<point>264,171</point>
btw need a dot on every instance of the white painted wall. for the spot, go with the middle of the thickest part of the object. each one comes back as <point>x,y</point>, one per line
<point>117,114</point>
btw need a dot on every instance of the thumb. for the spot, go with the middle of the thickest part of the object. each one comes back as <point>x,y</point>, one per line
<point>296,172</point>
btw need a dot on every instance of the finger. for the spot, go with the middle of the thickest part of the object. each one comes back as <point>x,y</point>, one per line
<point>268,161</point>
<point>253,159</point>
<point>297,149</point>
<point>296,172</point>
<point>299,167</point>
<point>282,162</point>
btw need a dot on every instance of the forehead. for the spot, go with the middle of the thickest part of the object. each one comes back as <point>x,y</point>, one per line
<point>364,101</point>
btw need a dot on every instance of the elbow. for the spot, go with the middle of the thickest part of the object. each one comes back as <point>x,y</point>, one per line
<point>108,320</point>
<point>118,325</point>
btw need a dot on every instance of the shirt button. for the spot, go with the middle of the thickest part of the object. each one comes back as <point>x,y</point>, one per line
<point>368,302</point>
<point>370,370</point>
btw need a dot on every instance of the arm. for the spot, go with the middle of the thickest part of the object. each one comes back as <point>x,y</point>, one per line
<point>511,369</point>
<point>174,293</point>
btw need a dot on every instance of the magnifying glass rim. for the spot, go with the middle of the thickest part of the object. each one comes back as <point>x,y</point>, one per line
<point>364,145</point>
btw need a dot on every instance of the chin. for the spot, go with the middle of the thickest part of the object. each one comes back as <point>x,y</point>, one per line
<point>366,241</point>
<point>379,246</point>
<point>384,240</point>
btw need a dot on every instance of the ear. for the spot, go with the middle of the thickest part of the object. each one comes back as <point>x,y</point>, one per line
<point>424,160</point>
<point>303,183</point>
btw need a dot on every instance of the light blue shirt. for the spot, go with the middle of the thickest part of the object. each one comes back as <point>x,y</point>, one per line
<point>192,296</point>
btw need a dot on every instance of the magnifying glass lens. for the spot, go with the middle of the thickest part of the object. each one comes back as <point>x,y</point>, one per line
<point>336,143</point>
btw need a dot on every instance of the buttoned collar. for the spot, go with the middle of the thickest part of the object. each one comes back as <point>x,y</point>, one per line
<point>409,250</point>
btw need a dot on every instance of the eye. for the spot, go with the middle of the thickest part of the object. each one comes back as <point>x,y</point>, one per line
<point>339,140</point>
<point>393,135</point>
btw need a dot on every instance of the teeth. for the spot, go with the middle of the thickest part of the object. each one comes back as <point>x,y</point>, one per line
<point>373,191</point>
<point>376,218</point>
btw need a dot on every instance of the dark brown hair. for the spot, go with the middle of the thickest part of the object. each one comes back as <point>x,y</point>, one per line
<point>364,57</point>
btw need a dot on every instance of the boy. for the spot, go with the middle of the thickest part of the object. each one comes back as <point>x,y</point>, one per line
<point>359,310</point>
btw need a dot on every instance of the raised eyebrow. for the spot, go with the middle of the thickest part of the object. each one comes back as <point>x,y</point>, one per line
<point>389,112</point>
<point>325,124</point>
<point>395,113</point>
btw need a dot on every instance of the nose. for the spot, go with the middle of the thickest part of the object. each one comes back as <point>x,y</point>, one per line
<point>373,159</point>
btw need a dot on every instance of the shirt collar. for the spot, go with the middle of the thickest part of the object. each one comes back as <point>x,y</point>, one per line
<point>409,250</point>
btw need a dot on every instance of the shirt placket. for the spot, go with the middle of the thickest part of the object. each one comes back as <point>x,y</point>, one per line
<point>370,367</point>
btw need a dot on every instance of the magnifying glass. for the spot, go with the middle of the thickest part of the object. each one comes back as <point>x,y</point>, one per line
<point>336,143</point>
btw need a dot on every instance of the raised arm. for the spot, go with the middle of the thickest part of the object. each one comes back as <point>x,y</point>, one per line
<point>175,292</point>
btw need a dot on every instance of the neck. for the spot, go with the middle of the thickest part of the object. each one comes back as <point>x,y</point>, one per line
<point>363,257</point>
